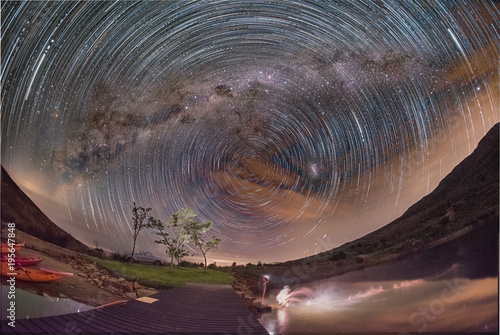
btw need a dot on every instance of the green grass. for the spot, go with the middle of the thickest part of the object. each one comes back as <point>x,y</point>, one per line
<point>161,276</point>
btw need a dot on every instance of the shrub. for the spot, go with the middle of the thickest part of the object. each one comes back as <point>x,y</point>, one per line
<point>187,264</point>
<point>97,252</point>
<point>337,256</point>
<point>116,256</point>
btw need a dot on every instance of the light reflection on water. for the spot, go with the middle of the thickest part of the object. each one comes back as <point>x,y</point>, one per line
<point>451,287</point>
<point>418,306</point>
<point>32,305</point>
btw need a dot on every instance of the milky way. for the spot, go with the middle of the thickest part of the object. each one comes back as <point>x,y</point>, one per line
<point>293,125</point>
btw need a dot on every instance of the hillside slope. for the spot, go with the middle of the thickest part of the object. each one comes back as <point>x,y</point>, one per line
<point>17,207</point>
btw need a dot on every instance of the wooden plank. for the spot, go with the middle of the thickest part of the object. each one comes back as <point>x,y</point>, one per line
<point>75,324</point>
<point>30,326</point>
<point>6,329</point>
<point>54,324</point>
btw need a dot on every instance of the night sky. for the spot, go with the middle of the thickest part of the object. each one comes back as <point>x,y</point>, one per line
<point>295,126</point>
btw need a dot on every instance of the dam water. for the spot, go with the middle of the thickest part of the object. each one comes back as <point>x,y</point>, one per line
<point>450,288</point>
<point>31,303</point>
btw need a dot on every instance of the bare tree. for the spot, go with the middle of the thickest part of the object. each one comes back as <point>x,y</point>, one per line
<point>139,214</point>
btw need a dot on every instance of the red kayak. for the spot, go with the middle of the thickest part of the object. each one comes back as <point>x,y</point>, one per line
<point>22,261</point>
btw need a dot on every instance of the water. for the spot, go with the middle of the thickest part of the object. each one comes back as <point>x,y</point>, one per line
<point>451,288</point>
<point>30,303</point>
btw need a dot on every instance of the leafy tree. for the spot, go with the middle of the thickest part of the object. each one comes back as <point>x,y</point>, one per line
<point>196,231</point>
<point>178,234</point>
<point>181,230</point>
<point>139,214</point>
<point>205,247</point>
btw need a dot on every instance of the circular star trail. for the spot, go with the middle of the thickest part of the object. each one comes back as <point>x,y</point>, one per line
<point>294,126</point>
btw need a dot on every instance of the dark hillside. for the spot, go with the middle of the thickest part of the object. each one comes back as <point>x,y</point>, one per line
<point>475,176</point>
<point>18,208</point>
<point>464,200</point>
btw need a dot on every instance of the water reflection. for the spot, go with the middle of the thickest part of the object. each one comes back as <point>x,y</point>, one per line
<point>31,303</point>
<point>410,306</point>
<point>452,287</point>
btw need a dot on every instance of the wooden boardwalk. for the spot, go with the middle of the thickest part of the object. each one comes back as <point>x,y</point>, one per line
<point>194,308</point>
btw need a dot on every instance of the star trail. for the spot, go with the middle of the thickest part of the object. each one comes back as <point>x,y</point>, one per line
<point>294,126</point>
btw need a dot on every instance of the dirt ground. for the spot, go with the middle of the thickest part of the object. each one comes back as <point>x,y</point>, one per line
<point>89,284</point>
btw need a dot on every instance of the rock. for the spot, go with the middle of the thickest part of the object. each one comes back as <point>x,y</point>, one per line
<point>136,286</point>
<point>121,279</point>
<point>81,274</point>
<point>127,287</point>
<point>109,281</point>
<point>112,289</point>
<point>263,308</point>
<point>130,295</point>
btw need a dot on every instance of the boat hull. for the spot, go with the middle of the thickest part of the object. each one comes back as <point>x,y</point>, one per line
<point>22,261</point>
<point>32,275</point>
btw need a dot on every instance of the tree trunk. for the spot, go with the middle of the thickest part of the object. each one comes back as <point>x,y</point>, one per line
<point>171,262</point>
<point>205,257</point>
<point>133,250</point>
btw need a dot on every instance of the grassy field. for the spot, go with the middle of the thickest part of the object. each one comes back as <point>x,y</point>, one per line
<point>161,276</point>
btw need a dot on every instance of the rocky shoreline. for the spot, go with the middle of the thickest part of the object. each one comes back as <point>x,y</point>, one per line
<point>103,279</point>
<point>250,299</point>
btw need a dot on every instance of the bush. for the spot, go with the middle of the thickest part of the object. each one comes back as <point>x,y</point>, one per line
<point>337,256</point>
<point>116,256</point>
<point>187,264</point>
<point>97,252</point>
